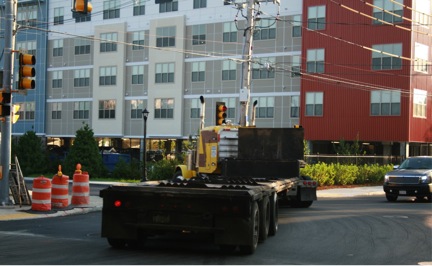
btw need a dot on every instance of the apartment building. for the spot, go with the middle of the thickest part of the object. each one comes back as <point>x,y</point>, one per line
<point>366,75</point>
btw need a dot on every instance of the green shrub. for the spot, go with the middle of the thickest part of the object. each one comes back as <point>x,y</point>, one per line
<point>345,174</point>
<point>161,170</point>
<point>124,170</point>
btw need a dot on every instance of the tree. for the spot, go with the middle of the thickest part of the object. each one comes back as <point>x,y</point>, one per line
<point>32,156</point>
<point>85,151</point>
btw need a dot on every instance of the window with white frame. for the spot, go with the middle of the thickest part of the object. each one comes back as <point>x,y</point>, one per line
<point>195,108</point>
<point>164,108</point>
<point>111,9</point>
<point>229,32</point>
<point>315,61</point>
<point>58,48</point>
<point>388,11</point>
<point>387,56</point>
<point>295,106</point>
<point>139,7</point>
<point>198,34</point>
<point>81,110</point>
<point>265,29</point>
<point>421,55</point>
<point>419,103</point>
<point>169,6</point>
<point>385,102</point>
<point>314,103</point>
<point>138,40</point>
<point>27,15</point>
<point>28,112</point>
<point>297,26</point>
<point>57,79</point>
<point>165,36</point>
<point>136,108</point>
<point>108,42</point>
<point>107,76</point>
<point>56,110</point>
<point>265,107</point>
<point>295,66</point>
<point>316,17</point>
<point>199,4</point>
<point>230,104</point>
<point>229,70</point>
<point>164,73</point>
<point>82,78</point>
<point>423,18</point>
<point>107,109</point>
<point>82,46</point>
<point>58,15</point>
<point>198,71</point>
<point>138,75</point>
<point>29,46</point>
<point>264,68</point>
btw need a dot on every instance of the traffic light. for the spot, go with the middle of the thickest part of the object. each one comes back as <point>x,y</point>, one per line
<point>26,71</point>
<point>5,99</point>
<point>220,113</point>
<point>82,6</point>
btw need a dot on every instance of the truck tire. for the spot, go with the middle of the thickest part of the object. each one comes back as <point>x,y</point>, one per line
<point>117,243</point>
<point>264,208</point>
<point>391,197</point>
<point>274,214</point>
<point>253,232</point>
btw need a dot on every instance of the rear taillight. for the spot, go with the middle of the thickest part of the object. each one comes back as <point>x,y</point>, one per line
<point>117,203</point>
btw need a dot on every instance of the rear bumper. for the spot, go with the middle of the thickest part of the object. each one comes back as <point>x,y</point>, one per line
<point>421,190</point>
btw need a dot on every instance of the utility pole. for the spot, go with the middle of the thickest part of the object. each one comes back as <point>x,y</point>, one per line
<point>5,151</point>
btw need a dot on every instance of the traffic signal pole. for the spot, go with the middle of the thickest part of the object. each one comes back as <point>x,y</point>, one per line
<point>5,151</point>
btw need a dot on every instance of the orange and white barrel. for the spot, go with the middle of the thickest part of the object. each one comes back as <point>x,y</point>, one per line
<point>60,190</point>
<point>41,194</point>
<point>81,187</point>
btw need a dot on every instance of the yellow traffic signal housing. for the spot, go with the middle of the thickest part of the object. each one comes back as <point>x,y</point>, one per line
<point>82,6</point>
<point>26,71</point>
<point>221,113</point>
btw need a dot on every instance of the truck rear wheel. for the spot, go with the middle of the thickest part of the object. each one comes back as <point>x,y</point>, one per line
<point>117,243</point>
<point>274,214</point>
<point>253,232</point>
<point>264,209</point>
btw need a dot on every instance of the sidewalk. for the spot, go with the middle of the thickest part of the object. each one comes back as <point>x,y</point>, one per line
<point>15,212</point>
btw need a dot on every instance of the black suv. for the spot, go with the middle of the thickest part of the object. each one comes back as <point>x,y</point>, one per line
<point>412,178</point>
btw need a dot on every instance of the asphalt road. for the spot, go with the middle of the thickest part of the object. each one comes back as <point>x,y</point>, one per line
<point>358,230</point>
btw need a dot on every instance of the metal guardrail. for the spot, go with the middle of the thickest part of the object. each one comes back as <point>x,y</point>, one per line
<point>353,159</point>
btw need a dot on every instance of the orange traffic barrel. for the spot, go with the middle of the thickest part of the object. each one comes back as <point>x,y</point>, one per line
<point>41,194</point>
<point>80,187</point>
<point>60,190</point>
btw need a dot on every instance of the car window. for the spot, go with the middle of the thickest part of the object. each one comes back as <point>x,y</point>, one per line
<point>417,163</point>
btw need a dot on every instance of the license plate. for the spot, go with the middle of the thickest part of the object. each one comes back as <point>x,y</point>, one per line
<point>161,218</point>
<point>402,192</point>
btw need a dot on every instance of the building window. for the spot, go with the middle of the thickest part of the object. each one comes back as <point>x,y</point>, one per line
<point>27,15</point>
<point>421,55</point>
<point>265,107</point>
<point>164,108</point>
<point>295,66</point>
<point>385,102</point>
<point>297,26</point>
<point>195,108</point>
<point>199,4</point>
<point>165,36</point>
<point>108,42</point>
<point>230,32</point>
<point>136,109</point>
<point>295,106</point>
<point>168,6</point>
<point>82,17</point>
<point>27,111</point>
<point>198,34</point>
<point>316,17</point>
<point>82,78</point>
<point>264,69</point>
<point>56,111</point>
<point>58,48</point>
<point>384,8</point>
<point>111,9</point>
<point>139,7</point>
<point>164,73</point>
<point>138,40</point>
<point>423,18</point>
<point>265,29</point>
<point>30,46</point>
<point>81,110</point>
<point>230,103</point>
<point>198,71</point>
<point>82,46</point>
<point>315,61</point>
<point>382,58</point>
<point>108,76</point>
<point>138,75</point>
<point>419,103</point>
<point>58,15</point>
<point>314,103</point>
<point>57,79</point>
<point>107,109</point>
<point>229,69</point>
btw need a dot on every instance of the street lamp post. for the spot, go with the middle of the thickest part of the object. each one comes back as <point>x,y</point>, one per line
<point>145,114</point>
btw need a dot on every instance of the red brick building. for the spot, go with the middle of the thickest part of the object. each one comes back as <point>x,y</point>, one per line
<point>366,75</point>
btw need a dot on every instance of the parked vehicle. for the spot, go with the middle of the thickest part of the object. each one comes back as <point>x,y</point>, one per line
<point>412,178</point>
